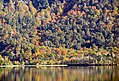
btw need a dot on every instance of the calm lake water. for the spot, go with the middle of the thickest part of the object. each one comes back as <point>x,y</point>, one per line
<point>60,74</point>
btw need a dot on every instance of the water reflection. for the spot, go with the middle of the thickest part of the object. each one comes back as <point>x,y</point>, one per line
<point>60,74</point>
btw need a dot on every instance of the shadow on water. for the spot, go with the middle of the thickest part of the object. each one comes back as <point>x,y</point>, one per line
<point>60,74</point>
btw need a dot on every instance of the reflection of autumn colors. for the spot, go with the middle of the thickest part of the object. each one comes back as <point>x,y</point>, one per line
<point>60,74</point>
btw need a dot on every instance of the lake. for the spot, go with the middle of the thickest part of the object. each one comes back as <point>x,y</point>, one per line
<point>105,73</point>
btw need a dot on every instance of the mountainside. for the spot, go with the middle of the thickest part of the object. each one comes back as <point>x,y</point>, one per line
<point>59,31</point>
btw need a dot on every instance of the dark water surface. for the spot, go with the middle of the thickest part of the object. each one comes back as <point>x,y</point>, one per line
<point>60,74</point>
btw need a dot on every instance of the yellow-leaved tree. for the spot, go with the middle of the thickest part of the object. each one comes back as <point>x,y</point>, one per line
<point>32,9</point>
<point>60,10</point>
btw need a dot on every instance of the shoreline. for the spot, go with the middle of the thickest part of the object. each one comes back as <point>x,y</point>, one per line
<point>33,66</point>
<point>67,65</point>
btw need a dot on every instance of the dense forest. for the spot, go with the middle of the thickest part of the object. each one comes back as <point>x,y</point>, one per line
<point>59,31</point>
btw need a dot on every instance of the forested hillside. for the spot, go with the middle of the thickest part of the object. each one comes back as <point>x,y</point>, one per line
<point>59,31</point>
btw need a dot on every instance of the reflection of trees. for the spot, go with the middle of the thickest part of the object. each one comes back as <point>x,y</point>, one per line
<point>4,72</point>
<point>60,74</point>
